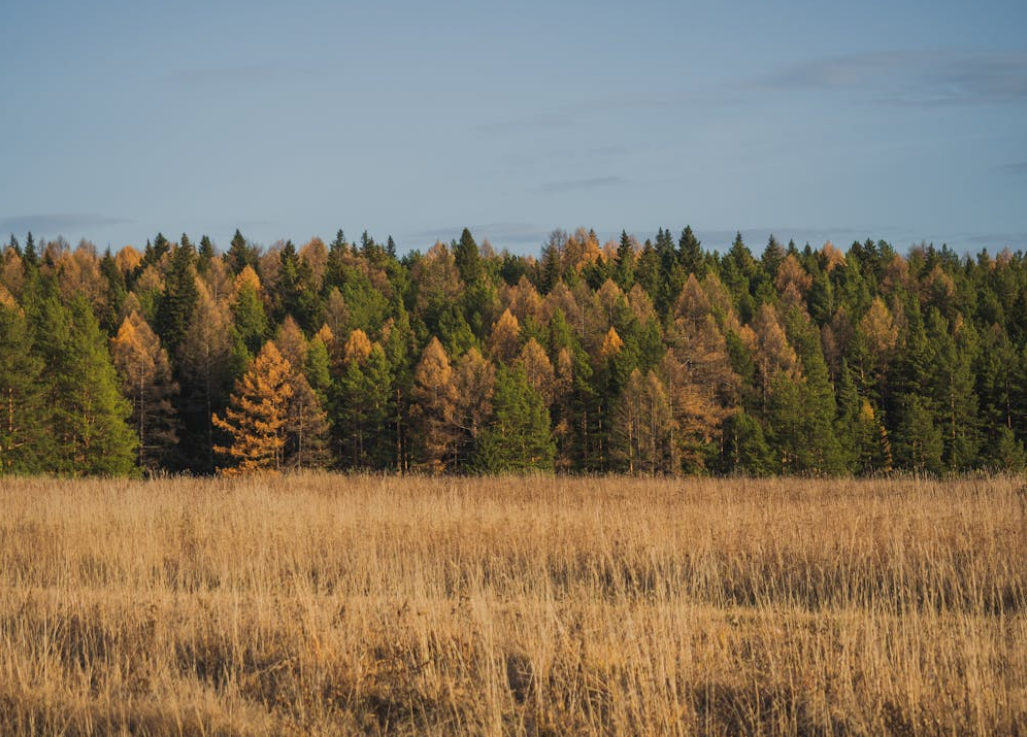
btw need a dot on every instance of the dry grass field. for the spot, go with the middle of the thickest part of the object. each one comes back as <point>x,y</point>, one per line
<point>326,605</point>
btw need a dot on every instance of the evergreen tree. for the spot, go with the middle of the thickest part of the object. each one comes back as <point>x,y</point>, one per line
<point>690,254</point>
<point>241,254</point>
<point>85,414</point>
<point>23,436</point>
<point>180,294</point>
<point>745,448</point>
<point>624,269</point>
<point>519,439</point>
<point>468,259</point>
<point>250,318</point>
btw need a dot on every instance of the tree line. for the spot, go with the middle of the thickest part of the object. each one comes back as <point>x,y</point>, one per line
<point>659,357</point>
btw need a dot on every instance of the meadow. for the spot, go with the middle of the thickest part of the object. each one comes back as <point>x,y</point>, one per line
<point>333,605</point>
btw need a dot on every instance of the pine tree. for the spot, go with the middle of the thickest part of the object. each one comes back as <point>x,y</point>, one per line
<point>745,447</point>
<point>146,382</point>
<point>519,439</point>
<point>257,416</point>
<point>85,414</point>
<point>362,403</point>
<point>23,437</point>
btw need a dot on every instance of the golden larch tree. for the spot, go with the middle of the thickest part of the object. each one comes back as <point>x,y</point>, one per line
<point>146,382</point>
<point>306,427</point>
<point>434,408</point>
<point>538,369</point>
<point>505,342</point>
<point>257,416</point>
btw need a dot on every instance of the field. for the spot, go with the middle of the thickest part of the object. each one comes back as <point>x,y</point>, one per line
<point>324,605</point>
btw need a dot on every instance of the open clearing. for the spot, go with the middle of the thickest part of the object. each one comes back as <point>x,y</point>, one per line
<point>328,605</point>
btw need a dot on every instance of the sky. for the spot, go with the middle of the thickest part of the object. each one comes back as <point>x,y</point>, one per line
<point>814,121</point>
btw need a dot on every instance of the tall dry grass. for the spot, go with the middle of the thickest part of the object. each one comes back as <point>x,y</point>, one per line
<point>327,605</point>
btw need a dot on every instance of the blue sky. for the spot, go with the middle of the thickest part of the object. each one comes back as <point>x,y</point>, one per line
<point>811,120</point>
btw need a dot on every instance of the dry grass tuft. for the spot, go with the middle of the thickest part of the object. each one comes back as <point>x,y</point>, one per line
<point>325,605</point>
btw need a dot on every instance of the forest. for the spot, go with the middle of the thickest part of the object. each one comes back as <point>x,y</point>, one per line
<point>662,357</point>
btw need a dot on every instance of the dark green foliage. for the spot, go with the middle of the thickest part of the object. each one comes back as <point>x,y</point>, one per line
<point>176,306</point>
<point>519,439</point>
<point>24,439</point>
<point>746,450</point>
<point>241,254</point>
<point>468,259</point>
<point>84,414</point>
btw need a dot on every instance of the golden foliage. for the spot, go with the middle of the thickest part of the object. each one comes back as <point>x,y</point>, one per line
<point>246,279</point>
<point>358,347</point>
<point>434,410</point>
<point>612,344</point>
<point>791,275</point>
<point>880,330</point>
<point>774,355</point>
<point>474,382</point>
<point>538,369</point>
<point>127,260</point>
<point>291,343</point>
<point>505,341</point>
<point>257,414</point>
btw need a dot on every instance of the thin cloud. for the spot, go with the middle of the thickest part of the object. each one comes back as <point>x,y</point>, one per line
<point>59,222</point>
<point>994,242</point>
<point>500,234</point>
<point>574,185</point>
<point>918,79</point>
<point>1016,168</point>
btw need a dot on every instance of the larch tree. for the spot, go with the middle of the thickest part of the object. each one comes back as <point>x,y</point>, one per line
<point>643,427</point>
<point>307,429</point>
<point>146,381</point>
<point>434,407</point>
<point>505,341</point>
<point>703,386</point>
<point>257,417</point>
<point>474,380</point>
<point>205,362</point>
<point>539,370</point>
